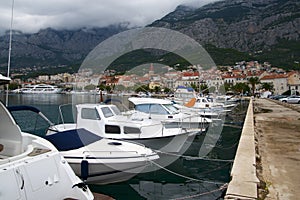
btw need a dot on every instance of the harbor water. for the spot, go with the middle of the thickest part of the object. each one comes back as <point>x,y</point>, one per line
<point>189,177</point>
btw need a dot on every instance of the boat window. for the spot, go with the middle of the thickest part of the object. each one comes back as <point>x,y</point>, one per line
<point>142,108</point>
<point>203,100</point>
<point>152,108</point>
<point>107,112</point>
<point>116,110</point>
<point>90,113</point>
<point>172,108</point>
<point>131,130</point>
<point>158,109</point>
<point>112,129</point>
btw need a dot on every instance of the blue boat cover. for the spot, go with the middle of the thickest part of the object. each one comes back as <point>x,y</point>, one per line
<point>72,139</point>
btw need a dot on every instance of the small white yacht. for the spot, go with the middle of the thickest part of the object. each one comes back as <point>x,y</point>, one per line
<point>107,121</point>
<point>188,96</point>
<point>95,159</point>
<point>40,89</point>
<point>99,160</point>
<point>165,111</point>
<point>32,168</point>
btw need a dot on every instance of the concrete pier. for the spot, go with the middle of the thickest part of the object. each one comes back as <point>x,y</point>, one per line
<point>267,161</point>
<point>277,127</point>
<point>243,184</point>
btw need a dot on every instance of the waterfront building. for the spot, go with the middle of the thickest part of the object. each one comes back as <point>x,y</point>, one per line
<point>293,81</point>
<point>279,81</point>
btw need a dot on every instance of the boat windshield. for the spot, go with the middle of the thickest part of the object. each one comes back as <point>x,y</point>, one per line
<point>172,109</point>
<point>107,112</point>
<point>116,110</point>
<point>152,108</point>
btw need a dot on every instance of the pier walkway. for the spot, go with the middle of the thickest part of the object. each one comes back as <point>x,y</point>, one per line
<point>270,145</point>
<point>277,127</point>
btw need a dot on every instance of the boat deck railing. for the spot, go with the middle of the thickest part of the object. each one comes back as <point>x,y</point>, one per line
<point>87,153</point>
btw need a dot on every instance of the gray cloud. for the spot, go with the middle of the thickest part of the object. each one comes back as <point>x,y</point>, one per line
<point>32,15</point>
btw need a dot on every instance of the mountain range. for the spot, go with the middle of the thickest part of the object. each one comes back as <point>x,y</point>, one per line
<point>267,30</point>
<point>230,30</point>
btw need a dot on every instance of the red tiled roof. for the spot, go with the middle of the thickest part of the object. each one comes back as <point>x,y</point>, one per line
<point>292,73</point>
<point>274,76</point>
<point>190,74</point>
<point>234,76</point>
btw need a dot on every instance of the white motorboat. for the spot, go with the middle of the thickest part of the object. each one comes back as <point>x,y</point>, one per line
<point>187,96</point>
<point>34,167</point>
<point>227,99</point>
<point>203,102</point>
<point>208,113</point>
<point>107,121</point>
<point>183,94</point>
<point>95,159</point>
<point>227,104</point>
<point>39,89</point>
<point>165,111</point>
<point>30,166</point>
<point>99,160</point>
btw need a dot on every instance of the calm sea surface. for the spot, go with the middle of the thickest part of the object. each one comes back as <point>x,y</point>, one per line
<point>206,176</point>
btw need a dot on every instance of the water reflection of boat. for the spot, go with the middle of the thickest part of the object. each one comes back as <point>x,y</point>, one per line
<point>158,190</point>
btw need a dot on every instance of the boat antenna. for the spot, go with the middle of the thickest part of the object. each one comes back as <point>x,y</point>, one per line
<point>9,48</point>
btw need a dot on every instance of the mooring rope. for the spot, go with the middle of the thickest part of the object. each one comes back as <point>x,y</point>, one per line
<point>193,158</point>
<point>183,176</point>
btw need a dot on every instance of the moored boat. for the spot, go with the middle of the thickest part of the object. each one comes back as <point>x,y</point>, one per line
<point>39,89</point>
<point>95,159</point>
<point>107,121</point>
<point>165,111</point>
<point>99,160</point>
<point>31,167</point>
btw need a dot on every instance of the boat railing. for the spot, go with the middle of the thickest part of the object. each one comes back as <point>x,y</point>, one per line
<point>61,115</point>
<point>88,153</point>
<point>193,121</point>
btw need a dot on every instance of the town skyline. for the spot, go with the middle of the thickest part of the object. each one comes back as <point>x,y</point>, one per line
<point>168,78</point>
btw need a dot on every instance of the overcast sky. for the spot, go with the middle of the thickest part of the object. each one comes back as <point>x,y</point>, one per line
<point>33,15</point>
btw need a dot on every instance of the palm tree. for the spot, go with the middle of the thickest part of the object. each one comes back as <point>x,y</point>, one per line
<point>253,81</point>
<point>267,86</point>
<point>241,88</point>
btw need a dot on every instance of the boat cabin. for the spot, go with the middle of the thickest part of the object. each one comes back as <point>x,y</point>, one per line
<point>107,121</point>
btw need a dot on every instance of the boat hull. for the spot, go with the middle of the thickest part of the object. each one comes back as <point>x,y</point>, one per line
<point>38,173</point>
<point>171,144</point>
<point>102,172</point>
